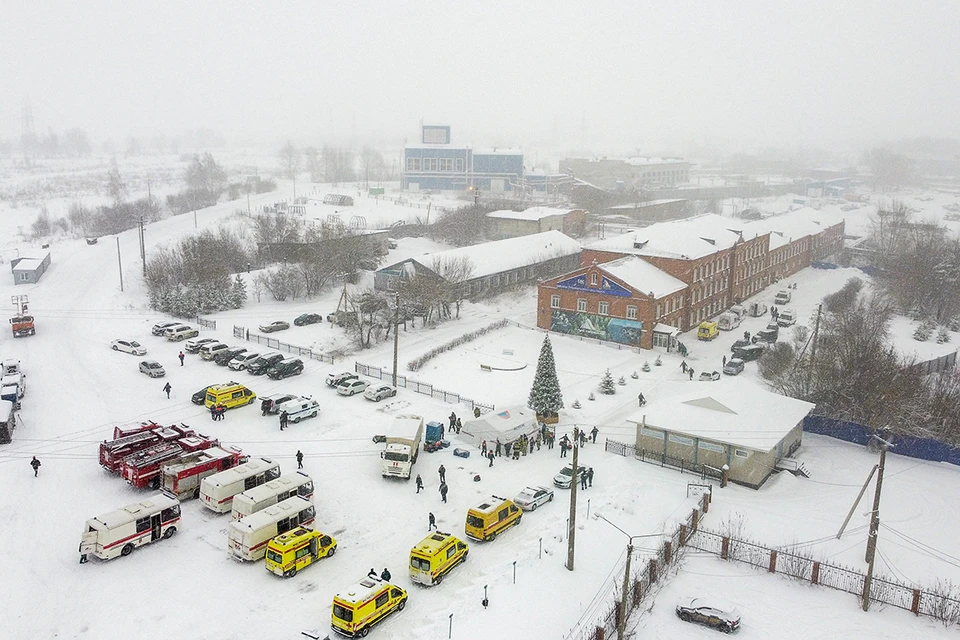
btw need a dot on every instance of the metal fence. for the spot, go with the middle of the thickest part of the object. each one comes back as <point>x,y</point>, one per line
<point>663,460</point>
<point>244,334</point>
<point>206,324</point>
<point>942,606</point>
<point>420,387</point>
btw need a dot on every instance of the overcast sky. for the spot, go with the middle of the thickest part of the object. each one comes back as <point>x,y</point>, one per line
<point>638,74</point>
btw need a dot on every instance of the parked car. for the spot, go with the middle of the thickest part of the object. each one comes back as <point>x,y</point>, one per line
<point>749,352</point>
<point>224,357</point>
<point>199,396</point>
<point>278,399</point>
<point>308,318</point>
<point>193,346</point>
<point>128,346</point>
<point>279,325</point>
<point>734,367</point>
<point>160,327</point>
<point>264,362</point>
<point>352,387</point>
<point>787,318</point>
<point>174,328</point>
<point>300,408</point>
<point>766,335</point>
<point>243,360</point>
<point>712,614</point>
<point>378,392</point>
<point>742,342</point>
<point>286,368</point>
<point>391,243</point>
<point>532,497</point>
<point>563,478</point>
<point>336,379</point>
<point>210,351</point>
<point>152,368</point>
<point>176,334</point>
<point>709,376</point>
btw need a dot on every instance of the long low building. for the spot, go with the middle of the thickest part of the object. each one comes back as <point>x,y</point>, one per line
<point>485,268</point>
<point>726,422</point>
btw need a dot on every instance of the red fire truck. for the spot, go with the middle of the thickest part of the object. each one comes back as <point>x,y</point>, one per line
<point>182,478</point>
<point>130,441</point>
<point>142,469</point>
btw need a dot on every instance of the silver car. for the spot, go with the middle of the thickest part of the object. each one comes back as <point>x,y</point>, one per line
<point>128,346</point>
<point>563,478</point>
<point>532,497</point>
<point>152,368</point>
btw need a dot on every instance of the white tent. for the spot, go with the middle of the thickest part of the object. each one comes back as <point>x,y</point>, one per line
<point>507,425</point>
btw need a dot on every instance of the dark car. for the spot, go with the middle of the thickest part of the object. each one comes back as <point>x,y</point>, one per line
<point>278,325</point>
<point>286,368</point>
<point>199,396</point>
<point>308,318</point>
<point>224,357</point>
<point>750,352</point>
<point>766,335</point>
<point>743,342</point>
<point>712,614</point>
<point>264,362</point>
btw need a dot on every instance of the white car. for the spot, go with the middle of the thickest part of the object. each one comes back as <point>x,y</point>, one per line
<point>193,346</point>
<point>532,497</point>
<point>182,332</point>
<point>563,478</point>
<point>299,408</point>
<point>352,387</point>
<point>242,361</point>
<point>336,379</point>
<point>160,327</point>
<point>128,346</point>
<point>378,392</point>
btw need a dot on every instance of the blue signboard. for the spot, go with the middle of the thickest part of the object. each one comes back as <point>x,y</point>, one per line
<point>607,286</point>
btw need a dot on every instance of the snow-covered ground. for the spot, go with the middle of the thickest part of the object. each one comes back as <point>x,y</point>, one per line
<point>187,587</point>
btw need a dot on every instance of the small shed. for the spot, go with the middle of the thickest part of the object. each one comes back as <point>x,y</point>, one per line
<point>29,270</point>
<point>506,425</point>
<point>726,422</point>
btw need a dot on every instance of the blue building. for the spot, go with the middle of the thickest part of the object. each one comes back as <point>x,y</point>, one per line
<point>436,164</point>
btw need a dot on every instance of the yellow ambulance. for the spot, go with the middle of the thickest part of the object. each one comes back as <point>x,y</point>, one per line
<point>435,556</point>
<point>365,604</point>
<point>229,395</point>
<point>491,517</point>
<point>707,330</point>
<point>292,551</point>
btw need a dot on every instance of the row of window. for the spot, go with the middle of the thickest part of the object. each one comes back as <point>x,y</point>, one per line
<point>685,440</point>
<point>453,165</point>
<point>670,306</point>
<point>707,311</point>
<point>603,307</point>
<point>710,268</point>
<point>711,288</point>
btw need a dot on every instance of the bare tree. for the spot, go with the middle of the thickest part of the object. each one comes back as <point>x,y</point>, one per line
<point>314,163</point>
<point>289,158</point>
<point>454,272</point>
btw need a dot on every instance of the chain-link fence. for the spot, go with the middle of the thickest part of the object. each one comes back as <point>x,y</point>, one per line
<point>403,382</point>
<point>244,334</point>
<point>663,460</point>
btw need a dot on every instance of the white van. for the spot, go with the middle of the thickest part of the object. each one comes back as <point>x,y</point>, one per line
<point>217,491</point>
<point>269,494</point>
<point>208,351</point>
<point>119,532</point>
<point>248,537</point>
<point>299,409</point>
<point>728,321</point>
<point>787,317</point>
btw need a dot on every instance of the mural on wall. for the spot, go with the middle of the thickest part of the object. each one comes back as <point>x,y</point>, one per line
<point>590,325</point>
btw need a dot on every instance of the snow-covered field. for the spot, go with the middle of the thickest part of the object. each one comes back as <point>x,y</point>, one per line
<point>187,587</point>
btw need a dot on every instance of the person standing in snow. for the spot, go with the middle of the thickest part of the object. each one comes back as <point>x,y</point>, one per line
<point>590,476</point>
<point>265,405</point>
<point>419,483</point>
<point>683,366</point>
<point>690,371</point>
<point>181,356</point>
<point>443,474</point>
<point>36,466</point>
<point>373,573</point>
<point>476,412</point>
<point>459,425</point>
<point>167,389</point>
<point>483,448</point>
<point>490,457</point>
<point>724,361</point>
<point>583,479</point>
<point>593,433</point>
<point>433,523</point>
<point>385,576</point>
<point>443,491</point>
<point>299,459</point>
<point>283,420</point>
<point>499,447</point>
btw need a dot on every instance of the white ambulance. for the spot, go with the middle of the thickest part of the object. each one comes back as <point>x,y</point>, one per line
<point>119,532</point>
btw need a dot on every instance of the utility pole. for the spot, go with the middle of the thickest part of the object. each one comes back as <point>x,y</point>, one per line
<point>622,627</point>
<point>119,264</point>
<point>572,522</point>
<point>396,335</point>
<point>813,349</point>
<point>143,248</point>
<point>874,525</point>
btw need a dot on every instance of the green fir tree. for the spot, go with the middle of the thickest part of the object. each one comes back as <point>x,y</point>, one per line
<point>607,386</point>
<point>238,293</point>
<point>545,396</point>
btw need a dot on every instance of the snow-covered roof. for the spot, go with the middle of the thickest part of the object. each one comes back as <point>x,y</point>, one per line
<point>644,161</point>
<point>28,264</point>
<point>273,513</point>
<point>362,591</point>
<point>642,276</point>
<point>498,151</point>
<point>665,328</point>
<point>689,238</point>
<point>503,255</point>
<point>731,412</point>
<point>646,203</point>
<point>533,213</point>
<point>793,225</point>
<point>427,145</point>
<point>134,511</point>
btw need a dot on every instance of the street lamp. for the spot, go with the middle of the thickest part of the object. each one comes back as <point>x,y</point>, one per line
<point>621,630</point>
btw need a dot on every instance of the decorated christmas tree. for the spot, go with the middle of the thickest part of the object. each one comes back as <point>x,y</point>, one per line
<point>607,386</point>
<point>545,396</point>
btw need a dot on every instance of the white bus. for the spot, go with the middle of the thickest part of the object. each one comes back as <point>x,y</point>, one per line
<point>259,498</point>
<point>248,537</point>
<point>119,532</point>
<point>217,491</point>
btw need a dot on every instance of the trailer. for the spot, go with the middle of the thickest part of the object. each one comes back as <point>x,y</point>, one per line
<point>402,447</point>
<point>182,478</point>
<point>142,469</point>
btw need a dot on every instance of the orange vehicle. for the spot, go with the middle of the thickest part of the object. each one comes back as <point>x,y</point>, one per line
<point>22,326</point>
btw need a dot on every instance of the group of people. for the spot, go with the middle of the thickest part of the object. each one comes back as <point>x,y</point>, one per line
<point>455,424</point>
<point>580,437</point>
<point>217,411</point>
<point>586,477</point>
<point>384,575</point>
<point>684,367</point>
